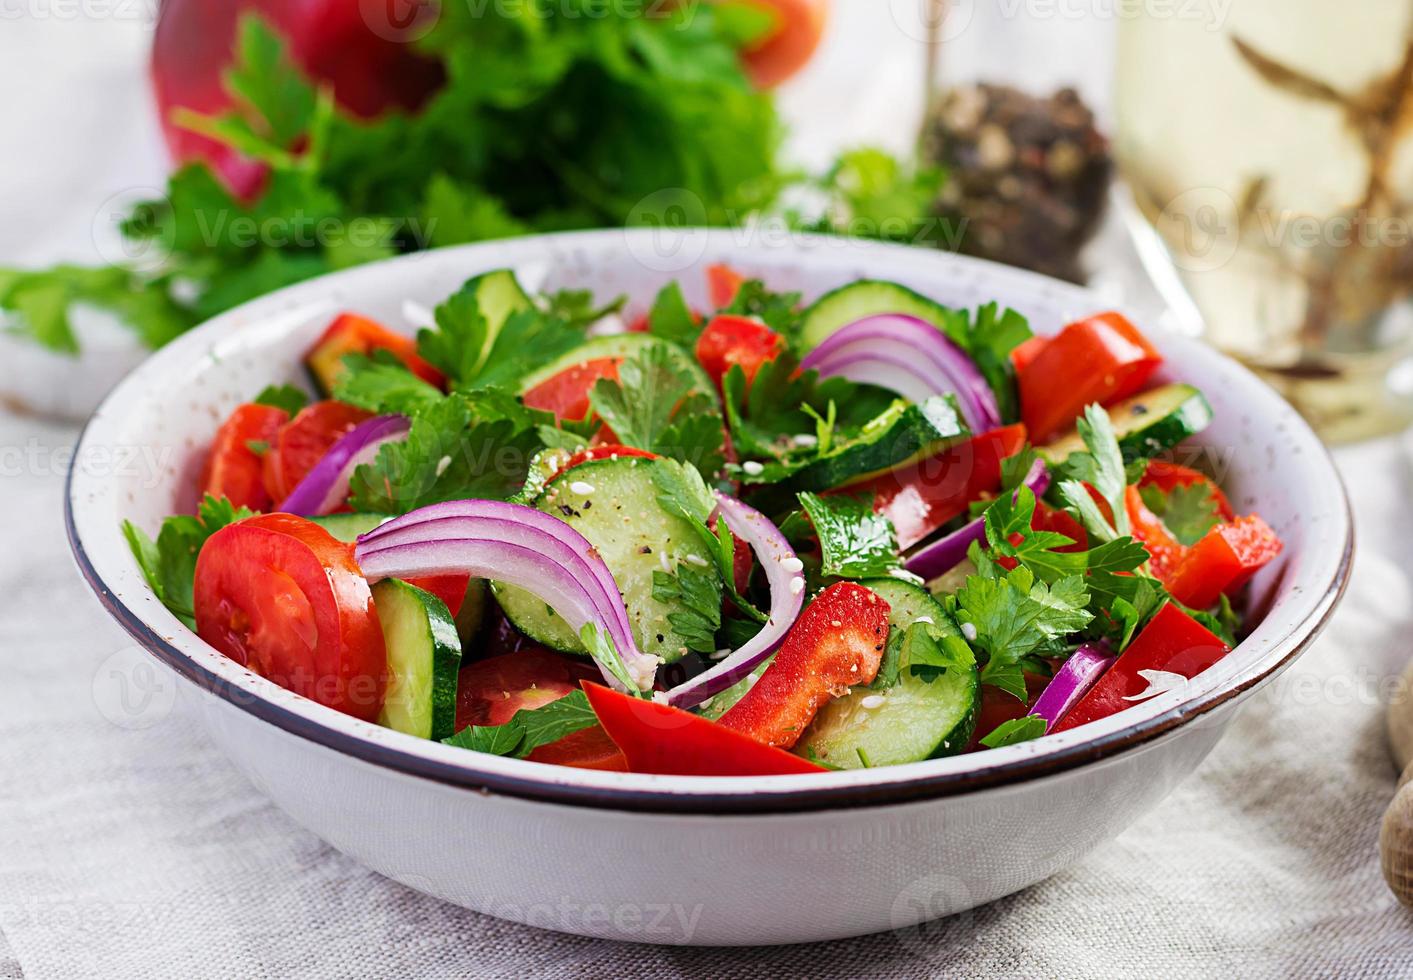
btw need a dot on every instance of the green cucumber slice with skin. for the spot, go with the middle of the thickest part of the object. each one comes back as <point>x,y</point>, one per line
<point>623,345</point>
<point>424,654</point>
<point>347,527</point>
<point>901,435</point>
<point>1146,424</point>
<point>613,503</point>
<point>867,297</point>
<point>498,296</point>
<point>915,719</point>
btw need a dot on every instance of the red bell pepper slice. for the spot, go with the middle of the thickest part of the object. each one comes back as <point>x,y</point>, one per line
<point>1169,476</point>
<point>566,394</point>
<point>995,707</point>
<point>1224,560</point>
<point>1165,552</point>
<point>588,748</point>
<point>723,283</point>
<point>729,340</point>
<point>353,334</point>
<point>234,469</point>
<point>662,740</point>
<point>1102,359</point>
<point>920,497</point>
<point>1172,643</point>
<point>836,643</point>
<point>1027,351</point>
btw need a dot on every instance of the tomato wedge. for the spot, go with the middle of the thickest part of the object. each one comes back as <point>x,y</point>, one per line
<point>489,692</point>
<point>662,740</point>
<point>280,596</point>
<point>723,283</point>
<point>566,394</point>
<point>1172,643</point>
<point>789,44</point>
<point>1223,561</point>
<point>353,334</point>
<point>1102,359</point>
<point>920,497</point>
<point>605,451</point>
<point>836,643</point>
<point>1169,476</point>
<point>233,468</point>
<point>303,442</point>
<point>450,589</point>
<point>729,340</point>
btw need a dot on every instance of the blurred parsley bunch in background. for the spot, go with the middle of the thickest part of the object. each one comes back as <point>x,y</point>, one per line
<point>545,122</point>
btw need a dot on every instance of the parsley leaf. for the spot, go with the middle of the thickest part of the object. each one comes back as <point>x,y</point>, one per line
<point>856,542</point>
<point>458,448</point>
<point>655,404</point>
<point>1014,731</point>
<point>169,563</point>
<point>671,319</point>
<point>1102,467</point>
<point>529,728</point>
<point>1188,511</point>
<point>780,312</point>
<point>287,397</point>
<point>988,337</point>
<point>383,386</point>
<point>929,650</point>
<point>697,592</point>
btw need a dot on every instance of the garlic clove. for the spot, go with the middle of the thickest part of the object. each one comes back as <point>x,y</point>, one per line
<point>1400,720</point>
<point>1396,845</point>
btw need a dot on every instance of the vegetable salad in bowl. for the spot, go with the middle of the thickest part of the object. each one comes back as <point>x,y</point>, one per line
<point>762,538</point>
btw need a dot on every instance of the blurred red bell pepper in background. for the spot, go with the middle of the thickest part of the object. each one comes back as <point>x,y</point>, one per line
<point>656,738</point>
<point>1172,649</point>
<point>730,340</point>
<point>353,334</point>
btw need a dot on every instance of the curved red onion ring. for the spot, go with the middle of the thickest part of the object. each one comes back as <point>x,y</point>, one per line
<point>1072,682</point>
<point>787,598</point>
<point>518,545</point>
<point>325,488</point>
<point>909,356</point>
<point>940,556</point>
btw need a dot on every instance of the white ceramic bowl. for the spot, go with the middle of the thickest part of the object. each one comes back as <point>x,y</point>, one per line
<point>684,859</point>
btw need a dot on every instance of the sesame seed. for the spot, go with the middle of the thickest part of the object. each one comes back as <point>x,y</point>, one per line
<point>442,465</point>
<point>925,619</point>
<point>697,560</point>
<point>721,654</point>
<point>836,623</point>
<point>806,441</point>
<point>581,488</point>
<point>797,585</point>
<point>793,565</point>
<point>752,468</point>
<point>873,701</point>
<point>969,631</point>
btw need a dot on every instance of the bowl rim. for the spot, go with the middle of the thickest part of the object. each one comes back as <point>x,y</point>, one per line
<point>182,651</point>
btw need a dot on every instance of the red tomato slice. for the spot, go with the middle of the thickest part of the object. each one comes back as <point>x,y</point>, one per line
<point>919,498</point>
<point>1172,642</point>
<point>566,394</point>
<point>1223,561</point>
<point>604,451</point>
<point>1102,359</point>
<point>1047,518</point>
<point>723,283</point>
<point>303,442</point>
<point>836,643</point>
<point>450,589</point>
<point>997,707</point>
<point>589,748</point>
<point>233,469</point>
<point>1168,476</point>
<point>729,340</point>
<point>353,334</point>
<point>659,739</point>
<point>489,692</point>
<point>279,595</point>
<point>788,47</point>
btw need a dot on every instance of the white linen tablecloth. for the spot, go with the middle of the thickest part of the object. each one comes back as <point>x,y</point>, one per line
<point>130,848</point>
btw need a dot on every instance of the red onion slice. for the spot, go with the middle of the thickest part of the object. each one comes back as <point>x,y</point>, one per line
<point>1072,682</point>
<point>888,342</point>
<point>787,598</point>
<point>325,488</point>
<point>515,544</point>
<point>942,555</point>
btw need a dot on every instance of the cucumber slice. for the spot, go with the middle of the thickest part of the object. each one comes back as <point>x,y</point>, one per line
<point>903,434</point>
<point>424,654</point>
<point>498,296</point>
<point>914,719</point>
<point>620,516</point>
<point>347,527</point>
<point>867,297</point>
<point>622,345</point>
<point>1146,424</point>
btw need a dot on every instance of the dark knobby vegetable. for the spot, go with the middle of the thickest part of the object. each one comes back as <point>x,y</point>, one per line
<point>524,547</point>
<point>909,356</point>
